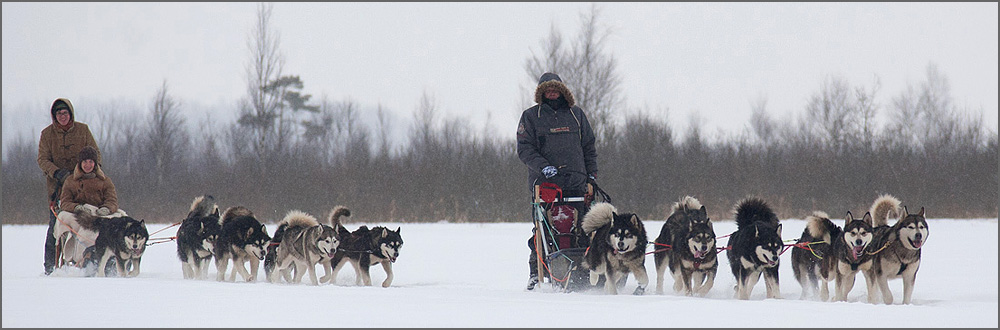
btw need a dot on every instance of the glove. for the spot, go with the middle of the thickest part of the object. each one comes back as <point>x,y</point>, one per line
<point>103,211</point>
<point>549,171</point>
<point>60,174</point>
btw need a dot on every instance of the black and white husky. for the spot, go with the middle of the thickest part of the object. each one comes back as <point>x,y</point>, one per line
<point>755,247</point>
<point>302,243</point>
<point>843,254</point>
<point>123,239</point>
<point>196,237</point>
<point>364,248</point>
<point>807,261</point>
<point>243,238</point>
<point>617,248</point>
<point>690,251</point>
<point>896,251</point>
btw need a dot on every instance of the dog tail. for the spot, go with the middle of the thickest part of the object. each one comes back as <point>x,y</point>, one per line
<point>296,218</point>
<point>599,215</point>
<point>233,212</point>
<point>820,226</point>
<point>203,206</point>
<point>335,215</point>
<point>686,203</point>
<point>753,209</point>
<point>885,206</point>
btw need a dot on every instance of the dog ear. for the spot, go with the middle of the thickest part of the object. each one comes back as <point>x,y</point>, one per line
<point>249,232</point>
<point>397,230</point>
<point>848,218</point>
<point>778,230</point>
<point>202,229</point>
<point>756,230</point>
<point>635,220</point>
<point>216,213</point>
<point>385,232</point>
<point>867,218</point>
<point>704,212</point>
<point>921,214</point>
<point>905,212</point>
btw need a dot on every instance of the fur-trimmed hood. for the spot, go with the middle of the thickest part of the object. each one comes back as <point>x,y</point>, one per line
<point>552,80</point>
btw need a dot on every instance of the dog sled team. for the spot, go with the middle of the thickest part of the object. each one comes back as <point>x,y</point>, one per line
<point>300,243</point>
<point>826,252</point>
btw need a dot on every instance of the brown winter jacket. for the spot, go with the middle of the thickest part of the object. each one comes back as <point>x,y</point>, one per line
<point>96,190</point>
<point>58,148</point>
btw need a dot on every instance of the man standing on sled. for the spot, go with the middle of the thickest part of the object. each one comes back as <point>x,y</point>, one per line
<point>58,148</point>
<point>556,142</point>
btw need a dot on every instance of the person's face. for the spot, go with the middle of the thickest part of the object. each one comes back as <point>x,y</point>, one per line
<point>87,165</point>
<point>62,116</point>
<point>552,94</point>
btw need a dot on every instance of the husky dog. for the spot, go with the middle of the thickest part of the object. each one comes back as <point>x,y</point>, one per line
<point>302,243</point>
<point>755,247</point>
<point>196,237</point>
<point>847,256</point>
<point>806,262</point>
<point>338,212</point>
<point>618,247</point>
<point>76,232</point>
<point>121,238</point>
<point>243,238</point>
<point>691,253</point>
<point>366,247</point>
<point>896,250</point>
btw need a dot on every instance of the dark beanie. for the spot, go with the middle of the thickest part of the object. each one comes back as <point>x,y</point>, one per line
<point>548,76</point>
<point>88,152</point>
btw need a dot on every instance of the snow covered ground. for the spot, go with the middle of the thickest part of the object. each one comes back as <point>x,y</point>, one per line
<point>473,275</point>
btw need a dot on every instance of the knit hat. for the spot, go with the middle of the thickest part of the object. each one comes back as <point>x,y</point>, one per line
<point>88,152</point>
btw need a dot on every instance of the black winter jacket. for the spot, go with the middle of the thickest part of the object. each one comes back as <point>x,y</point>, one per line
<point>559,137</point>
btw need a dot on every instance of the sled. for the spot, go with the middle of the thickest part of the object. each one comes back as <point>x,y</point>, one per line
<point>559,239</point>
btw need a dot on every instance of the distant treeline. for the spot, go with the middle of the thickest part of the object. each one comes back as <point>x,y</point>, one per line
<point>833,159</point>
<point>284,152</point>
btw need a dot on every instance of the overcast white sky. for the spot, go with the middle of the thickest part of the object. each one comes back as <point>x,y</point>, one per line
<point>676,59</point>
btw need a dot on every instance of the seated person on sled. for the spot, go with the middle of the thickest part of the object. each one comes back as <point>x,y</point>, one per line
<point>88,190</point>
<point>556,142</point>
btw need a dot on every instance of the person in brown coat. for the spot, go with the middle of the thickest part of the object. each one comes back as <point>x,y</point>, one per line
<point>88,189</point>
<point>58,147</point>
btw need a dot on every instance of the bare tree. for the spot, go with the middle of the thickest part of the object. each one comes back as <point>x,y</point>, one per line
<point>384,127</point>
<point>260,110</point>
<point>167,137</point>
<point>587,69</point>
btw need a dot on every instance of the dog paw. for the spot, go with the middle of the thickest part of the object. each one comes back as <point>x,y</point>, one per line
<point>639,291</point>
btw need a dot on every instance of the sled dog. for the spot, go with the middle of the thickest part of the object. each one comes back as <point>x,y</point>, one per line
<point>364,248</point>
<point>124,239</point>
<point>896,250</point>
<point>76,232</point>
<point>334,219</point>
<point>687,245</point>
<point>847,256</point>
<point>196,237</point>
<point>754,248</point>
<point>243,238</point>
<point>618,247</point>
<point>302,243</point>
<point>819,234</point>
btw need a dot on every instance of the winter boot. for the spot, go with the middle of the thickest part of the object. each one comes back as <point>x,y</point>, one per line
<point>532,282</point>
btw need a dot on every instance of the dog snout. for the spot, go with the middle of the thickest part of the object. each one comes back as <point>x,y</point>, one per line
<point>858,242</point>
<point>918,237</point>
